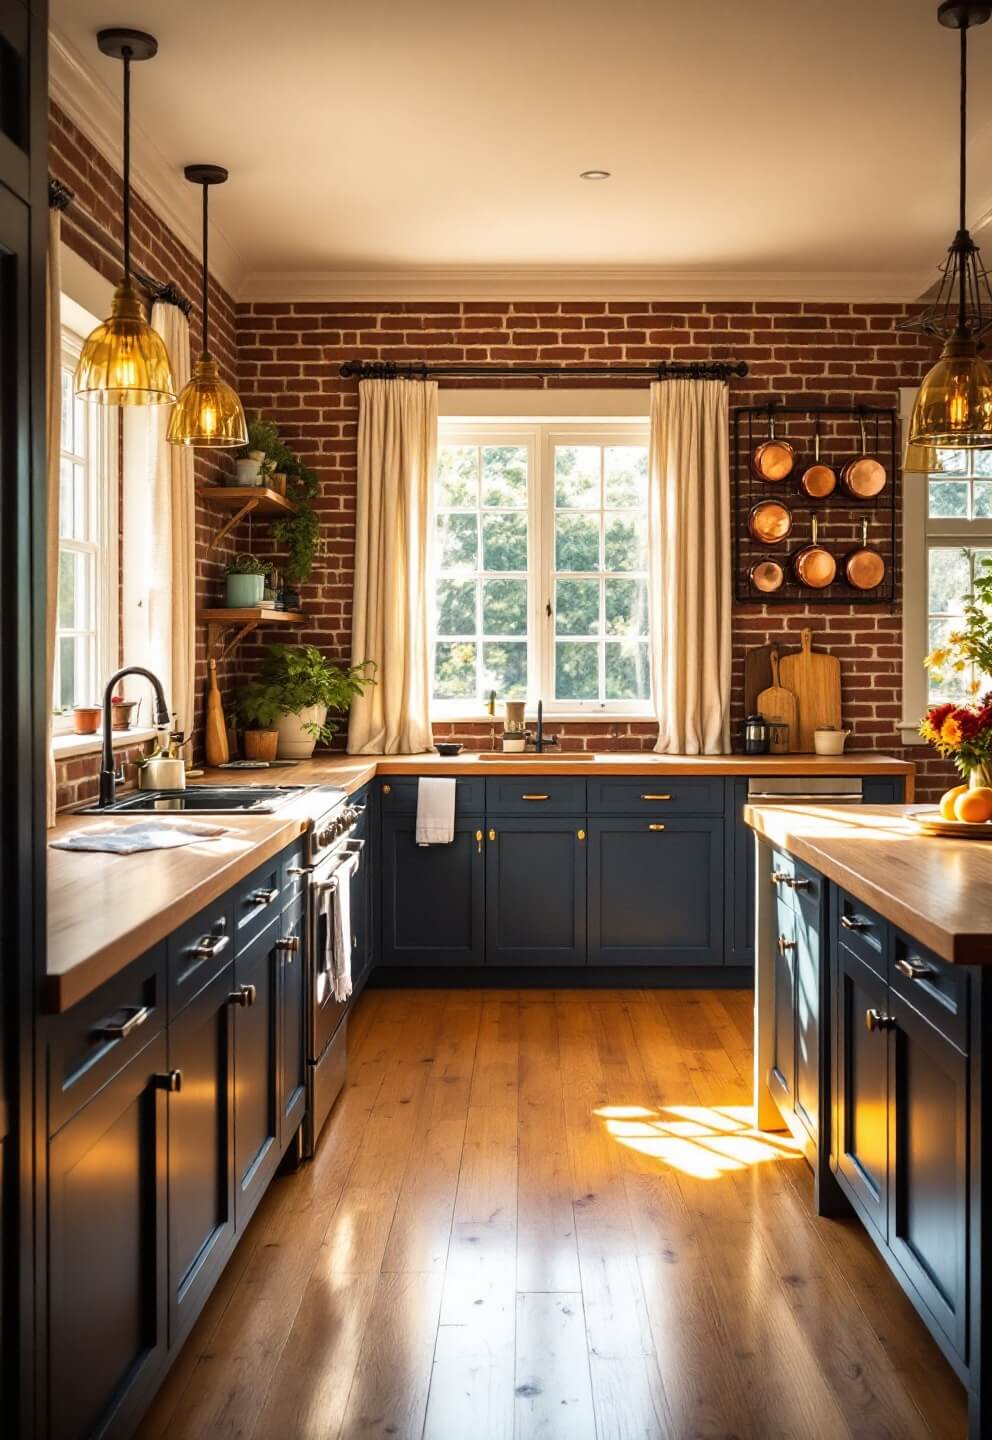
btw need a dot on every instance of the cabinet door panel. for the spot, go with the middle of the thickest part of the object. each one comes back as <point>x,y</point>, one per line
<point>107,1255</point>
<point>928,1195</point>
<point>201,1150</point>
<point>256,1068</point>
<point>809,927</point>
<point>862,1087</point>
<point>536,892</point>
<point>292,1023</point>
<point>656,892</point>
<point>432,896</point>
<point>782,1075</point>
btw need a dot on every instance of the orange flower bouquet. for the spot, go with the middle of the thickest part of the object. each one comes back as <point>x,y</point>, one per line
<point>963,733</point>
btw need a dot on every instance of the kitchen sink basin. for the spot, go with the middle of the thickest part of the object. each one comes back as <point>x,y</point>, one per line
<point>554,757</point>
<point>202,800</point>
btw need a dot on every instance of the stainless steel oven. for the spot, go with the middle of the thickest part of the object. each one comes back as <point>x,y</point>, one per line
<point>333,845</point>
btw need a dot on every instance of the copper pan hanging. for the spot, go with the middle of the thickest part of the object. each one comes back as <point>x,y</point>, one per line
<point>865,476</point>
<point>819,479</point>
<point>813,565</point>
<point>767,575</point>
<point>864,567</point>
<point>769,522</point>
<point>773,459</point>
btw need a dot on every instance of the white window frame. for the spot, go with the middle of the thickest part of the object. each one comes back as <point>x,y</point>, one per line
<point>101,465</point>
<point>540,436</point>
<point>919,533</point>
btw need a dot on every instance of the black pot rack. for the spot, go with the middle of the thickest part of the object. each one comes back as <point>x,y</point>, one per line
<point>840,517</point>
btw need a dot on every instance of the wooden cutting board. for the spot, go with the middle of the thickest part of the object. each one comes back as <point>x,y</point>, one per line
<point>777,703</point>
<point>758,672</point>
<point>814,679</point>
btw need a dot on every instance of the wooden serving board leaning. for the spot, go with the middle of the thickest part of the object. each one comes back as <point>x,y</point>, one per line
<point>778,703</point>
<point>814,679</point>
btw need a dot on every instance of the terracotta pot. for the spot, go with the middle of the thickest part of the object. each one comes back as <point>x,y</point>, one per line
<point>121,713</point>
<point>261,744</point>
<point>86,719</point>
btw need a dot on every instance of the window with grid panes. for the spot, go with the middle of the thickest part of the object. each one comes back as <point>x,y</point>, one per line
<point>540,568</point>
<point>958,540</point>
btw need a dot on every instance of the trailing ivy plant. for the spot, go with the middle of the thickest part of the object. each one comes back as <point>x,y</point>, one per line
<point>299,532</point>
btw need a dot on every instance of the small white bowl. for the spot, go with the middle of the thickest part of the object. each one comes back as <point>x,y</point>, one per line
<point>830,742</point>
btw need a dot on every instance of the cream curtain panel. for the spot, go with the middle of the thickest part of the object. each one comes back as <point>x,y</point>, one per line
<point>397,449</point>
<point>690,591</point>
<point>53,439</point>
<point>159,578</point>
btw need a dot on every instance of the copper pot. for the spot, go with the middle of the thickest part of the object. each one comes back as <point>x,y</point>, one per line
<point>819,479</point>
<point>770,522</point>
<point>864,477</point>
<point>864,567</point>
<point>773,459</point>
<point>814,565</point>
<point>767,576</point>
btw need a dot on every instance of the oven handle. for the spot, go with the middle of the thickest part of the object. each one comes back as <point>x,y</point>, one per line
<point>332,879</point>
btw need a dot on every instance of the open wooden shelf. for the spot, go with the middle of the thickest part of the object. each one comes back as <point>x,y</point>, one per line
<point>222,619</point>
<point>243,500</point>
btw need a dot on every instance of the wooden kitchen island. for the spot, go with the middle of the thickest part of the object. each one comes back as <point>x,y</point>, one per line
<point>872,942</point>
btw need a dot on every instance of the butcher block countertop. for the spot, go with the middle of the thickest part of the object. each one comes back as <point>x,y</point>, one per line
<point>939,891</point>
<point>106,910</point>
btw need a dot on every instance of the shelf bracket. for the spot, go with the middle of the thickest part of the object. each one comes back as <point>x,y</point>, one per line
<point>215,633</point>
<point>229,524</point>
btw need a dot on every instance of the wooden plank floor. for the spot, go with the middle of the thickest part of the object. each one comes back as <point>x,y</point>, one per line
<point>545,1214</point>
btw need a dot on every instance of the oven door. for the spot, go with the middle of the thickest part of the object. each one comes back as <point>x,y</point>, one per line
<point>326,1013</point>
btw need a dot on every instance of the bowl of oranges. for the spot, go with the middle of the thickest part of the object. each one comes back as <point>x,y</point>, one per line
<point>964,812</point>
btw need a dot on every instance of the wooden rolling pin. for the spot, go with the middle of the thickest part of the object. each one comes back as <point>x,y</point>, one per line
<point>215,736</point>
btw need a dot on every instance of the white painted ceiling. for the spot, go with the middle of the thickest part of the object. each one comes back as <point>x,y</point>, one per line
<point>399,146</point>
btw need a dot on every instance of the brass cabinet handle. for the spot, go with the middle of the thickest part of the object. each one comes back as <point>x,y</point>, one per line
<point>243,996</point>
<point>656,826</point>
<point>876,1021</point>
<point>290,943</point>
<point>785,945</point>
<point>795,884</point>
<point>478,841</point>
<point>172,1081</point>
<point>779,877</point>
<point>492,834</point>
<point>121,1029</point>
<point>211,945</point>
<point>535,797</point>
<point>915,969</point>
<point>854,922</point>
<point>656,797</point>
<point>580,835</point>
<point>261,897</point>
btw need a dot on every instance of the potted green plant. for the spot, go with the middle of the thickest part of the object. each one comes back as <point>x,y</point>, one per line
<point>295,689</point>
<point>253,457</point>
<point>245,585</point>
<point>257,709</point>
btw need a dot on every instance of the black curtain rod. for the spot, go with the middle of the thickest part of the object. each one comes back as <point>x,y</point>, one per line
<point>60,197</point>
<point>663,370</point>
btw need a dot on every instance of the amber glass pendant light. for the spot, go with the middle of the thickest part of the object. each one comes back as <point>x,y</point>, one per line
<point>953,407</point>
<point>124,361</point>
<point>208,412</point>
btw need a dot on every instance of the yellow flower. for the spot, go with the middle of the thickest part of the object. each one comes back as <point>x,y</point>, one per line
<point>937,658</point>
<point>927,730</point>
<point>956,637</point>
<point>959,666</point>
<point>950,733</point>
<point>974,687</point>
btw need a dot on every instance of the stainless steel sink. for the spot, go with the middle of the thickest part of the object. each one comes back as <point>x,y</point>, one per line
<point>202,800</point>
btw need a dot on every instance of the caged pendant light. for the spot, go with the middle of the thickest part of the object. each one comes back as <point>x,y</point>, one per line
<point>124,361</point>
<point>208,412</point>
<point>953,407</point>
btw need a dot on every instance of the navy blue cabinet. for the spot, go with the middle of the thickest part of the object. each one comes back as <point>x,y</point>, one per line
<point>256,1061</point>
<point>810,984</point>
<point>292,1023</point>
<point>433,897</point>
<point>536,891</point>
<point>201,1149</point>
<point>656,891</point>
<point>782,1068</point>
<point>862,1085</point>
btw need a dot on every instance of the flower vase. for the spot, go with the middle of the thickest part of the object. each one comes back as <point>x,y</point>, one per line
<point>980,775</point>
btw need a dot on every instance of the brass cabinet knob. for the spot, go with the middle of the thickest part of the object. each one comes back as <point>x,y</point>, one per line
<point>876,1021</point>
<point>478,841</point>
<point>784,946</point>
<point>580,835</point>
<point>172,1081</point>
<point>492,834</point>
<point>656,826</point>
<point>289,942</point>
<point>387,789</point>
<point>243,996</point>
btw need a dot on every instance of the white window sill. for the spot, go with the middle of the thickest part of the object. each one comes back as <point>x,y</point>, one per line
<point>571,717</point>
<point>910,730</point>
<point>67,745</point>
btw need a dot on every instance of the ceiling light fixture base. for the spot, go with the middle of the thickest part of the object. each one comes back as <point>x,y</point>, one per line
<point>127,44</point>
<point>205,174</point>
<point>962,14</point>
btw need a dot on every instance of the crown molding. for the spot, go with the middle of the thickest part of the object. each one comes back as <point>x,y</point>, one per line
<point>565,282</point>
<point>78,91</point>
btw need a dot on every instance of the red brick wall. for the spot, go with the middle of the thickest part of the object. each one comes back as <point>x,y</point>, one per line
<point>158,252</point>
<point>288,358</point>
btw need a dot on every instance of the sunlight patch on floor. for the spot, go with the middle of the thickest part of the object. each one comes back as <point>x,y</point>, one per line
<point>700,1140</point>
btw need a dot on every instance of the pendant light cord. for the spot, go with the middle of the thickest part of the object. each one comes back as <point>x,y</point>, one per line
<point>126,53</point>
<point>963,172</point>
<point>206,311</point>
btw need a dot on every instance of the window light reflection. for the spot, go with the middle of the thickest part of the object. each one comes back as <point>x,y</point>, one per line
<point>699,1140</point>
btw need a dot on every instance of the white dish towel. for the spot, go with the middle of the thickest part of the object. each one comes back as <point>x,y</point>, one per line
<point>435,811</point>
<point>148,835</point>
<point>335,907</point>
